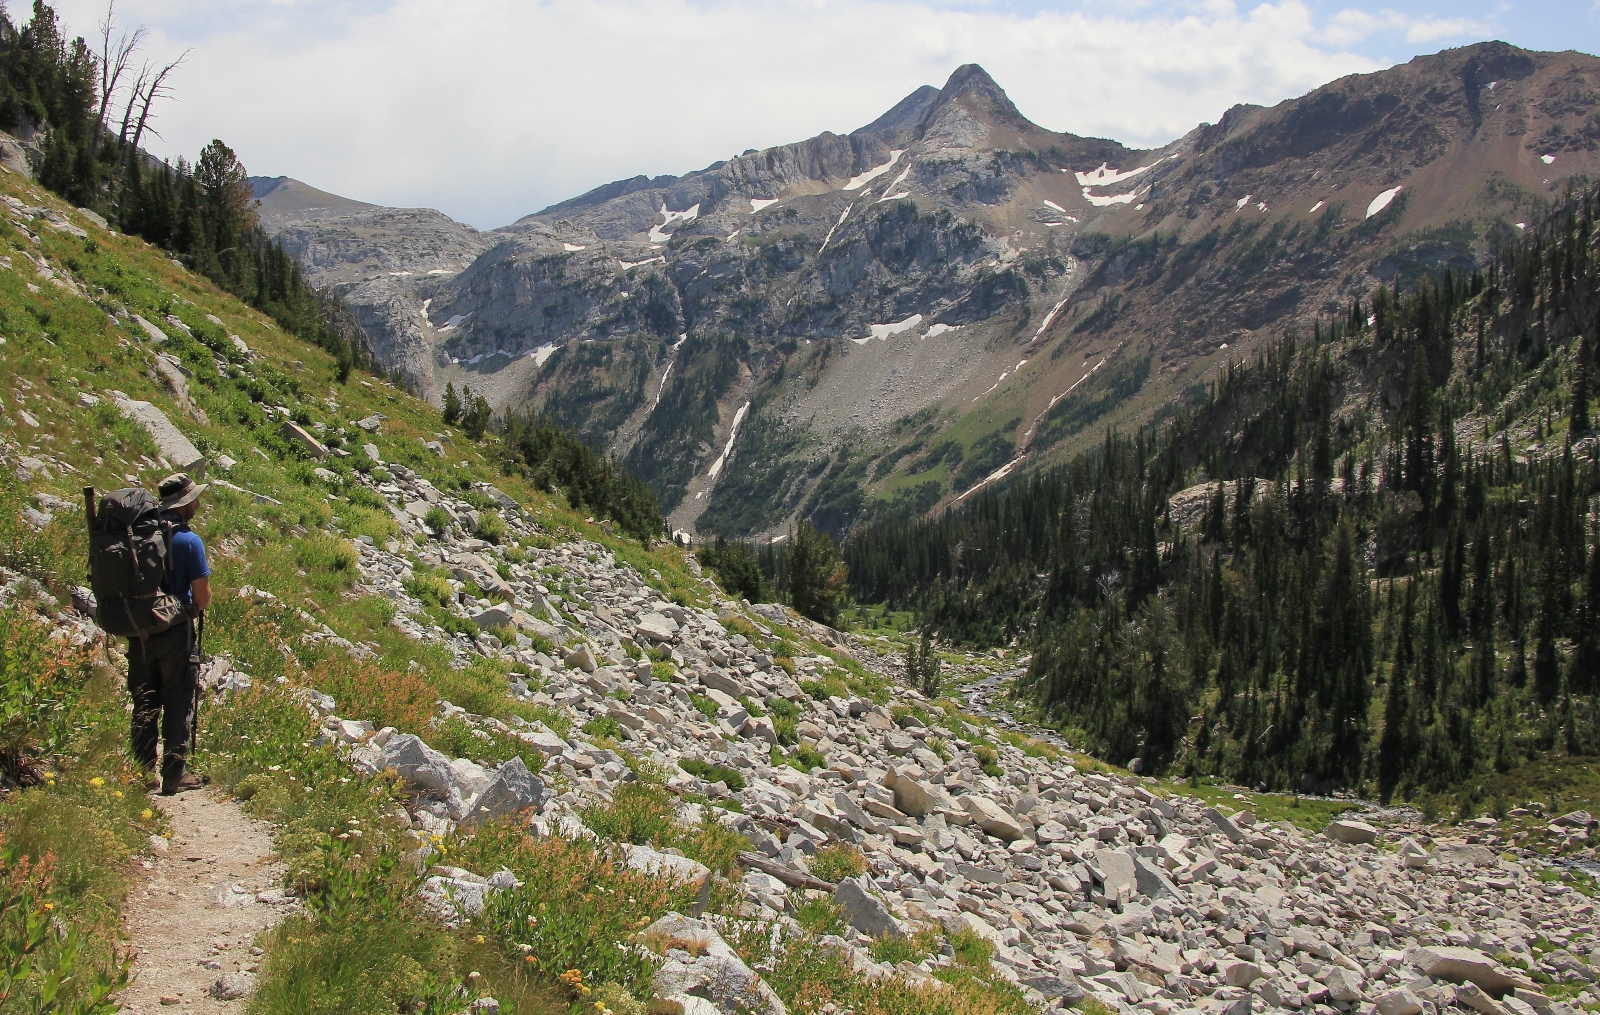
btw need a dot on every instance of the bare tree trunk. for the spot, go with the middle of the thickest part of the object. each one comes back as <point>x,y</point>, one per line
<point>113,62</point>
<point>133,100</point>
<point>157,89</point>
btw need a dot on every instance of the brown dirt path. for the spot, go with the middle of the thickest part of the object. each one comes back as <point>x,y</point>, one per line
<point>195,918</point>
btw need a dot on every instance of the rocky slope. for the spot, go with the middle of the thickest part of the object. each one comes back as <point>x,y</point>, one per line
<point>1086,883</point>
<point>886,319</point>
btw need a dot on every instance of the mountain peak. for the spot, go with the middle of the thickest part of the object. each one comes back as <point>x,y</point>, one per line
<point>972,83</point>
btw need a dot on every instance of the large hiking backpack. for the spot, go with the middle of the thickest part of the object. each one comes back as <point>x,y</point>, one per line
<point>130,555</point>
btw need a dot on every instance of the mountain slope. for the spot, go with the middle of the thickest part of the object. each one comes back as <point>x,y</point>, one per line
<point>883,320</point>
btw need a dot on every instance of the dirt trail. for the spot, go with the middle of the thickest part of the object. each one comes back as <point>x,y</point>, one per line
<point>195,918</point>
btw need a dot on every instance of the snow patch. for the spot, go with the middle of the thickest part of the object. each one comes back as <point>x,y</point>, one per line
<point>635,264</point>
<point>836,225</point>
<point>939,329</point>
<point>441,271</point>
<point>738,417</point>
<point>399,273</point>
<point>1314,207</point>
<point>1522,225</point>
<point>570,247</point>
<point>883,331</point>
<point>1547,159</point>
<point>1382,201</point>
<point>1057,207</point>
<point>898,195</point>
<point>857,182</point>
<point>664,375</point>
<point>1239,204</point>
<point>758,203</point>
<point>657,236</point>
<point>543,353</point>
<point>1104,177</point>
<point>424,311</point>
<point>455,321</point>
<point>1106,202</point>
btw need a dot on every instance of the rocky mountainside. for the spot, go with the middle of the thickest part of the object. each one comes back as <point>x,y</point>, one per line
<point>884,320</point>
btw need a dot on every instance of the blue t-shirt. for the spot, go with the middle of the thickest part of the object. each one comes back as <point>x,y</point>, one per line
<point>188,562</point>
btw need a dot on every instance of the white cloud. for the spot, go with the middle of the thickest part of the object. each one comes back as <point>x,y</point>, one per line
<point>489,109</point>
<point>1351,26</point>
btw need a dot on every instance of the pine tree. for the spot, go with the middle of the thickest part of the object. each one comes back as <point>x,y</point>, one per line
<point>816,575</point>
<point>451,410</point>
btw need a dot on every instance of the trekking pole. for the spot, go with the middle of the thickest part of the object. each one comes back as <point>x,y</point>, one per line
<point>194,713</point>
<point>88,516</point>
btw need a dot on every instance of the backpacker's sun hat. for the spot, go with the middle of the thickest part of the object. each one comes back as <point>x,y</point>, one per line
<point>178,489</point>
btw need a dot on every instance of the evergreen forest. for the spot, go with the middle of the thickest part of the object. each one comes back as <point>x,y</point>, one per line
<point>1364,559</point>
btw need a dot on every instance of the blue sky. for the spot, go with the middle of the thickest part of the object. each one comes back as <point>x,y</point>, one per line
<point>490,109</point>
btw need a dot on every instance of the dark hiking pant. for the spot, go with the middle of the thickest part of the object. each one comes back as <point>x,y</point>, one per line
<point>163,671</point>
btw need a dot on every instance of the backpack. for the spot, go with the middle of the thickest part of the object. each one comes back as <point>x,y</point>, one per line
<point>130,555</point>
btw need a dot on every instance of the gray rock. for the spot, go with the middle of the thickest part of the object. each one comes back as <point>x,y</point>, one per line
<point>655,862</point>
<point>1242,974</point>
<point>421,766</point>
<point>657,627</point>
<point>1458,965</point>
<point>865,911</point>
<point>1152,881</point>
<point>173,445</point>
<point>1343,985</point>
<point>513,790</point>
<point>990,817</point>
<point>453,900</point>
<point>1116,871</point>
<point>581,658</point>
<point>701,967</point>
<point>1224,824</point>
<point>1350,832</point>
<point>912,797</point>
<point>492,618</point>
<point>233,986</point>
<point>1400,1001</point>
<point>154,333</point>
<point>295,434</point>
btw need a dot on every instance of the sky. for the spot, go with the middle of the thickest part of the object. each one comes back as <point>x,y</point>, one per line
<point>492,109</point>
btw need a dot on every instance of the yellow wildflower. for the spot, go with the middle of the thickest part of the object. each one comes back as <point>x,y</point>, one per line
<point>147,814</point>
<point>97,782</point>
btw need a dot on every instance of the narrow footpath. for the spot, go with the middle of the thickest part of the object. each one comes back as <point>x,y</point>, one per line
<point>193,922</point>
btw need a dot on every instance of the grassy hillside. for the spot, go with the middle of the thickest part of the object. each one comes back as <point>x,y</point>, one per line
<point>286,536</point>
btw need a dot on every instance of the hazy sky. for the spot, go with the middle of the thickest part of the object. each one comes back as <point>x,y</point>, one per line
<point>490,109</point>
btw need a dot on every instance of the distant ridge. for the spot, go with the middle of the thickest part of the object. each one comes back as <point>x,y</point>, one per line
<point>284,200</point>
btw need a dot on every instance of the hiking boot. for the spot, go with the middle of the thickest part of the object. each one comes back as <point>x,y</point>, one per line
<point>184,782</point>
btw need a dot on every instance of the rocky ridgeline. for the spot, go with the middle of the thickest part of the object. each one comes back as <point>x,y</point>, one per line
<point>1086,884</point>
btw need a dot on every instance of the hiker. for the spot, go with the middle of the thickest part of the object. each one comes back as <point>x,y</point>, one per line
<point>164,668</point>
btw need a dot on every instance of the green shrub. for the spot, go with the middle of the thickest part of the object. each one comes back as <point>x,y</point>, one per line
<point>705,706</point>
<point>713,773</point>
<point>805,759</point>
<point>838,861</point>
<point>491,528</point>
<point>437,519</point>
<point>432,587</point>
<point>329,562</point>
<point>988,760</point>
<point>604,726</point>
